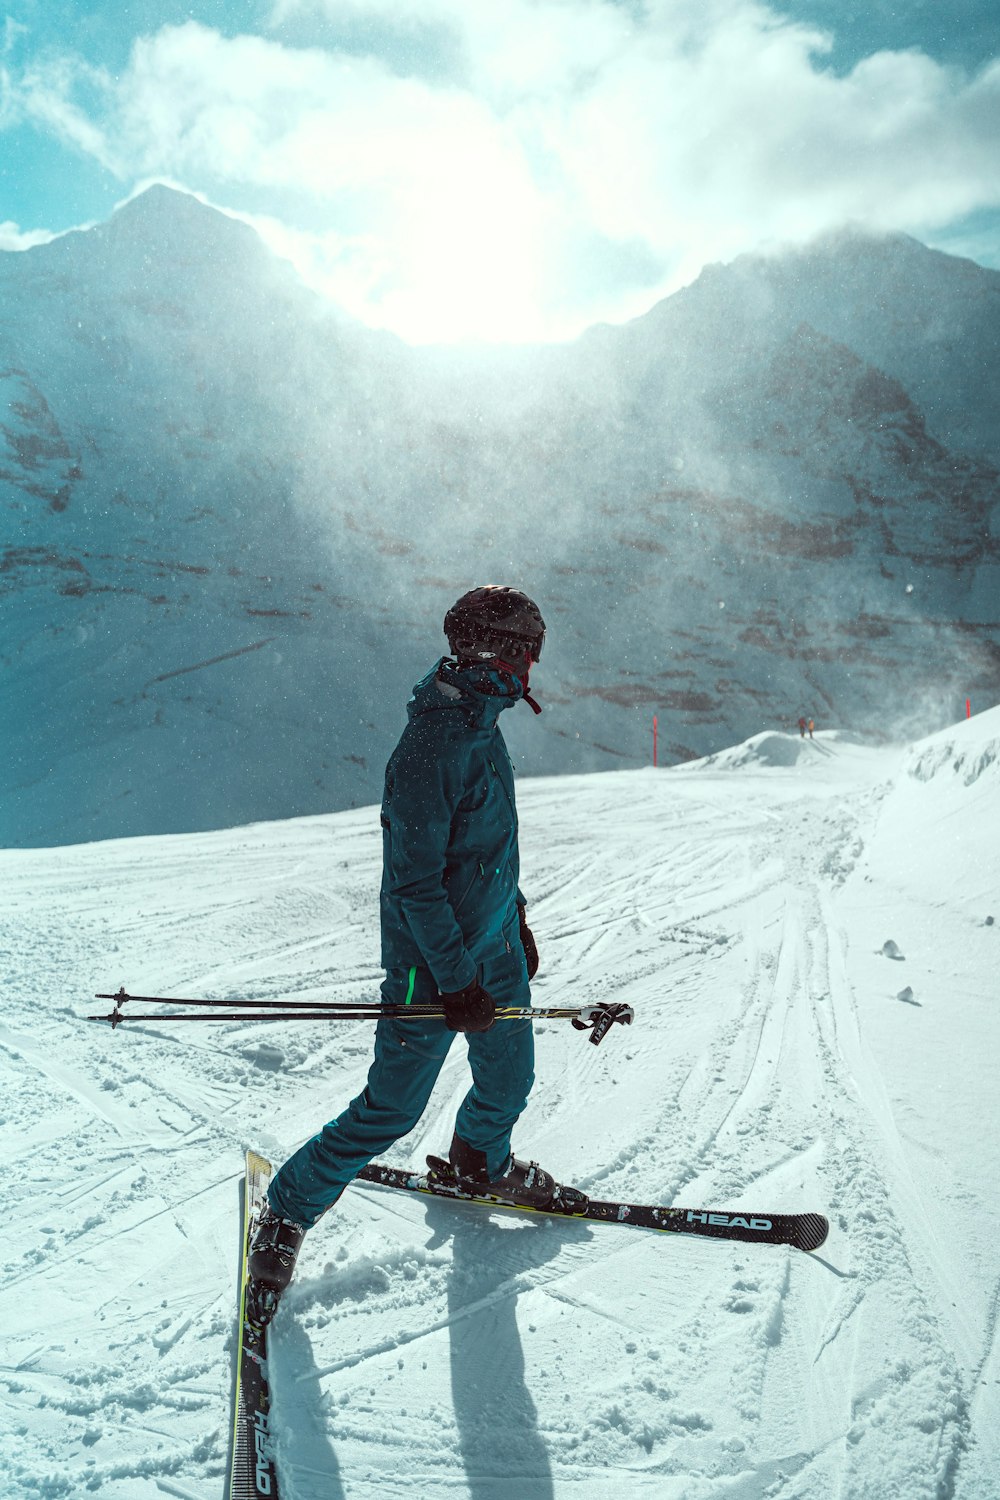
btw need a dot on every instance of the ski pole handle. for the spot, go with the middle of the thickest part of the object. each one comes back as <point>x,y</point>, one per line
<point>600,1019</point>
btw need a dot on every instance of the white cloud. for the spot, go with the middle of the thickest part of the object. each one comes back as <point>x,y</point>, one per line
<point>501,52</point>
<point>522,169</point>
<point>11,34</point>
<point>49,95</point>
<point>14,238</point>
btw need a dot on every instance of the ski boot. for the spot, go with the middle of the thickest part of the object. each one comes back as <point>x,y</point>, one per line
<point>523,1183</point>
<point>270,1263</point>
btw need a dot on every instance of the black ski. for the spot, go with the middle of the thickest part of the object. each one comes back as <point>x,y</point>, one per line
<point>802,1231</point>
<point>252,1472</point>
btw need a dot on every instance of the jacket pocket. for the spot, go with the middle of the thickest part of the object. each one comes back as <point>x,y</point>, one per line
<point>456,906</point>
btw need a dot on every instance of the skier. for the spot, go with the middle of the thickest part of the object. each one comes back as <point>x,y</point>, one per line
<point>802,728</point>
<point>453,932</point>
<point>812,726</point>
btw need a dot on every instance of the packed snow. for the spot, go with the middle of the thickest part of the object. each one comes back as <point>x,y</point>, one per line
<point>810,935</point>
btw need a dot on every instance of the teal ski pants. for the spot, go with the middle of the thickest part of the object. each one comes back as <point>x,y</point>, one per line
<point>408,1058</point>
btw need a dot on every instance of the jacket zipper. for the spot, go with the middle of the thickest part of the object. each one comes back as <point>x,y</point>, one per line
<point>510,800</point>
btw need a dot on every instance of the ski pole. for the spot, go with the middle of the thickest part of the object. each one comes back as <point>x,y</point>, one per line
<point>409,1012</point>
<point>116,1018</point>
<point>428,1008</point>
<point>596,1018</point>
<point>335,1006</point>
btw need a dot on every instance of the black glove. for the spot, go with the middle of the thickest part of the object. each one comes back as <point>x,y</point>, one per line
<point>471,1009</point>
<point>528,944</point>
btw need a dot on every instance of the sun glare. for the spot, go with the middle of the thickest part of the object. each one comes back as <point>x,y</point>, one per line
<point>470,259</point>
<point>447,262</point>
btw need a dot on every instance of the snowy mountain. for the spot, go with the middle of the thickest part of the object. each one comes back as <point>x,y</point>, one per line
<point>233,519</point>
<point>808,932</point>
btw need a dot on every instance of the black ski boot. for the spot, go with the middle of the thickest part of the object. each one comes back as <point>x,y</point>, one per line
<point>523,1183</point>
<point>273,1250</point>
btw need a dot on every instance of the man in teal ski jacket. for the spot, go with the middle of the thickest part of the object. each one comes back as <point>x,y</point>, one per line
<point>450,894</point>
<point>453,933</point>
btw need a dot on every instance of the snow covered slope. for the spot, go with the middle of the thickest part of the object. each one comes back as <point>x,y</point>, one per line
<point>812,950</point>
<point>231,520</point>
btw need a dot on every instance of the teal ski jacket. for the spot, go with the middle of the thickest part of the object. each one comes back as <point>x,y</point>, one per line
<point>450,863</point>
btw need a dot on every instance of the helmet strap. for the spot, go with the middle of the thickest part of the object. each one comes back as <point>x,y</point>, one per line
<point>505,668</point>
<point>522,674</point>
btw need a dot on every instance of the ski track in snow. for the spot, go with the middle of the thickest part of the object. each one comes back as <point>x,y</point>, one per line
<point>444,1351</point>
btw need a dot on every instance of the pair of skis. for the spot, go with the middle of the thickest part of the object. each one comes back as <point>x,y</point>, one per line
<point>252,1469</point>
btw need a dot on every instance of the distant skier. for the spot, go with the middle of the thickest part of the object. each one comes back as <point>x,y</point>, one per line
<point>812,726</point>
<point>802,728</point>
<point>453,932</point>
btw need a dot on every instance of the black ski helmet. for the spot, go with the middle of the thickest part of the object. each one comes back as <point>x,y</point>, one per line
<point>493,621</point>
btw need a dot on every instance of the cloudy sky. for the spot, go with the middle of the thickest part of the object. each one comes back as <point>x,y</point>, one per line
<point>509,169</point>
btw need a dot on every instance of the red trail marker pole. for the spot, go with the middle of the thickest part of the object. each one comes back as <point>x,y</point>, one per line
<point>968,708</point>
<point>654,739</point>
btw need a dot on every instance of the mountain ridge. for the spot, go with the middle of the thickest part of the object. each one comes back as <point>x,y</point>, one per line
<point>232,519</point>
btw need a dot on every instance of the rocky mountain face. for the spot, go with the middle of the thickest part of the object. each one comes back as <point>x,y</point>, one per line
<point>232,520</point>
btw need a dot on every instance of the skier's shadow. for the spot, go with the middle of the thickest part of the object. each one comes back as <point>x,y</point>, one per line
<point>502,1449</point>
<point>310,1458</point>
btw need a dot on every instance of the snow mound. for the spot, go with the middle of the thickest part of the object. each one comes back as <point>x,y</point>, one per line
<point>966,751</point>
<point>769,750</point>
